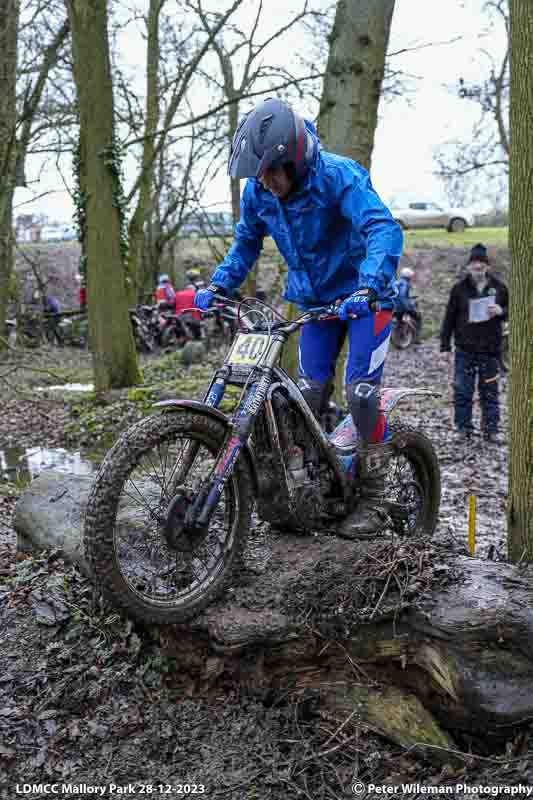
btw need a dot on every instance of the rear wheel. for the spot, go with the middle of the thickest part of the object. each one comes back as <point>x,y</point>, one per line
<point>413,482</point>
<point>174,336</point>
<point>403,335</point>
<point>142,554</point>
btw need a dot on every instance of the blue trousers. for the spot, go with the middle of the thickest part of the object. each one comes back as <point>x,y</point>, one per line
<point>368,337</point>
<point>483,369</point>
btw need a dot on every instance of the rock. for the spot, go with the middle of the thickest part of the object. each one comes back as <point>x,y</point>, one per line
<point>50,512</point>
<point>193,353</point>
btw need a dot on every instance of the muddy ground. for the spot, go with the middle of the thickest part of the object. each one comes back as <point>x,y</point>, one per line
<point>87,699</point>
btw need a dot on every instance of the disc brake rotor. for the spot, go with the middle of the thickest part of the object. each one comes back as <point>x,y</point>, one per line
<point>178,535</point>
<point>408,504</point>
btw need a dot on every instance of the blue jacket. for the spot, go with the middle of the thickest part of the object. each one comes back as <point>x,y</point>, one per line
<point>334,233</point>
<point>403,302</point>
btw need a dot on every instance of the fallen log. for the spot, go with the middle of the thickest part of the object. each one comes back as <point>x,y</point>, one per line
<point>425,643</point>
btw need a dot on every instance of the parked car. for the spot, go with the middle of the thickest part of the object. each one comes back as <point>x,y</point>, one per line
<point>217,223</point>
<point>431,215</point>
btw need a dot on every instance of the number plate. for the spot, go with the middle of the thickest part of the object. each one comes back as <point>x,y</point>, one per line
<point>248,348</point>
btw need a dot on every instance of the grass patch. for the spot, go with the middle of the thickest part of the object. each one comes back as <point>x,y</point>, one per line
<point>439,237</point>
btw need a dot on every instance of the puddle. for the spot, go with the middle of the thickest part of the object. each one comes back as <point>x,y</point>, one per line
<point>22,465</point>
<point>67,387</point>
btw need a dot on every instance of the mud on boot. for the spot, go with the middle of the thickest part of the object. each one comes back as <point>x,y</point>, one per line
<point>370,516</point>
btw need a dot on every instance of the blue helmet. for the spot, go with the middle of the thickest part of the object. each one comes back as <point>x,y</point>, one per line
<point>271,135</point>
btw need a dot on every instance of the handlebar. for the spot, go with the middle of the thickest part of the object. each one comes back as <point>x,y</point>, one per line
<point>323,313</point>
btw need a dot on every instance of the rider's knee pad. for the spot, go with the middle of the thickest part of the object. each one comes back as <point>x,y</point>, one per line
<point>316,394</point>
<point>363,404</point>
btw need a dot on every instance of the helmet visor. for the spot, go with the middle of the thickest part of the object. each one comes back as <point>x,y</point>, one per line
<point>243,162</point>
<point>246,164</point>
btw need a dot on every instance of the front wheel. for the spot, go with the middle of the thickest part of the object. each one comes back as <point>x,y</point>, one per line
<point>413,482</point>
<point>142,554</point>
<point>144,341</point>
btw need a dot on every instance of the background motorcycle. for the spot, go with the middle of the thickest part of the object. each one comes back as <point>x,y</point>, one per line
<point>74,329</point>
<point>171,505</point>
<point>403,333</point>
<point>505,356</point>
<point>142,330</point>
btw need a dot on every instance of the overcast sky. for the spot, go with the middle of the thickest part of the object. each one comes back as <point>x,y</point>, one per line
<point>408,132</point>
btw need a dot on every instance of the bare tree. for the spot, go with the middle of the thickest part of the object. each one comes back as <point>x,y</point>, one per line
<point>110,334</point>
<point>30,45</point>
<point>242,57</point>
<point>151,121</point>
<point>156,137</point>
<point>9,18</point>
<point>352,88</point>
<point>520,501</point>
<point>236,47</point>
<point>179,186</point>
<point>485,155</point>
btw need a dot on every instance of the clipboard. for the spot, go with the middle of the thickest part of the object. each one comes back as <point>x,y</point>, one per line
<point>478,310</point>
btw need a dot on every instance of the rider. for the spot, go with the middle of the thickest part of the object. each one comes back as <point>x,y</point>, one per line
<point>165,296</point>
<point>184,301</point>
<point>404,304</point>
<point>340,243</point>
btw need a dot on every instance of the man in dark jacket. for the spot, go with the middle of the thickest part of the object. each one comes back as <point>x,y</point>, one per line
<point>476,309</point>
<point>340,242</point>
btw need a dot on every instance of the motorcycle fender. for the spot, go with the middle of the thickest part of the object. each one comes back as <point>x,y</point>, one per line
<point>175,406</point>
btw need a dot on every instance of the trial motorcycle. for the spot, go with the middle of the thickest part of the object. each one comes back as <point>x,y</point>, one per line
<point>171,505</point>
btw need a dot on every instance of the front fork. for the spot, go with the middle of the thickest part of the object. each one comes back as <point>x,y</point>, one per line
<point>202,508</point>
<point>213,397</point>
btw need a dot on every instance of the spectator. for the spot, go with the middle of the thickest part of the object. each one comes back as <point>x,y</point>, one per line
<point>404,303</point>
<point>52,305</point>
<point>194,279</point>
<point>52,310</point>
<point>476,309</point>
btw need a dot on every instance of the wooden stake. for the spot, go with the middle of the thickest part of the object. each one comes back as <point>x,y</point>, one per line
<point>472,524</point>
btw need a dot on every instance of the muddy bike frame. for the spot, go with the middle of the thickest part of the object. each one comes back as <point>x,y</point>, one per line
<point>260,381</point>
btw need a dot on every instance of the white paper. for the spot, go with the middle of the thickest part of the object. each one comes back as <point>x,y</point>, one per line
<point>478,310</point>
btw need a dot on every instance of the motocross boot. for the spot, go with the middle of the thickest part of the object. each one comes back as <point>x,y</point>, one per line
<point>369,517</point>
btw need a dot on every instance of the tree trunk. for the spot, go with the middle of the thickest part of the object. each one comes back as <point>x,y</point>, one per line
<point>289,358</point>
<point>110,333</point>
<point>9,17</point>
<point>349,105</point>
<point>249,287</point>
<point>520,503</point>
<point>235,183</point>
<point>404,636</point>
<point>137,267</point>
<point>354,73</point>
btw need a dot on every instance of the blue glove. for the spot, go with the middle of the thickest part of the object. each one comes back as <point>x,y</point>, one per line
<point>203,298</point>
<point>359,304</point>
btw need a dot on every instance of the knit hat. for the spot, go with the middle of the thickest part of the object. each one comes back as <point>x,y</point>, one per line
<point>478,253</point>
